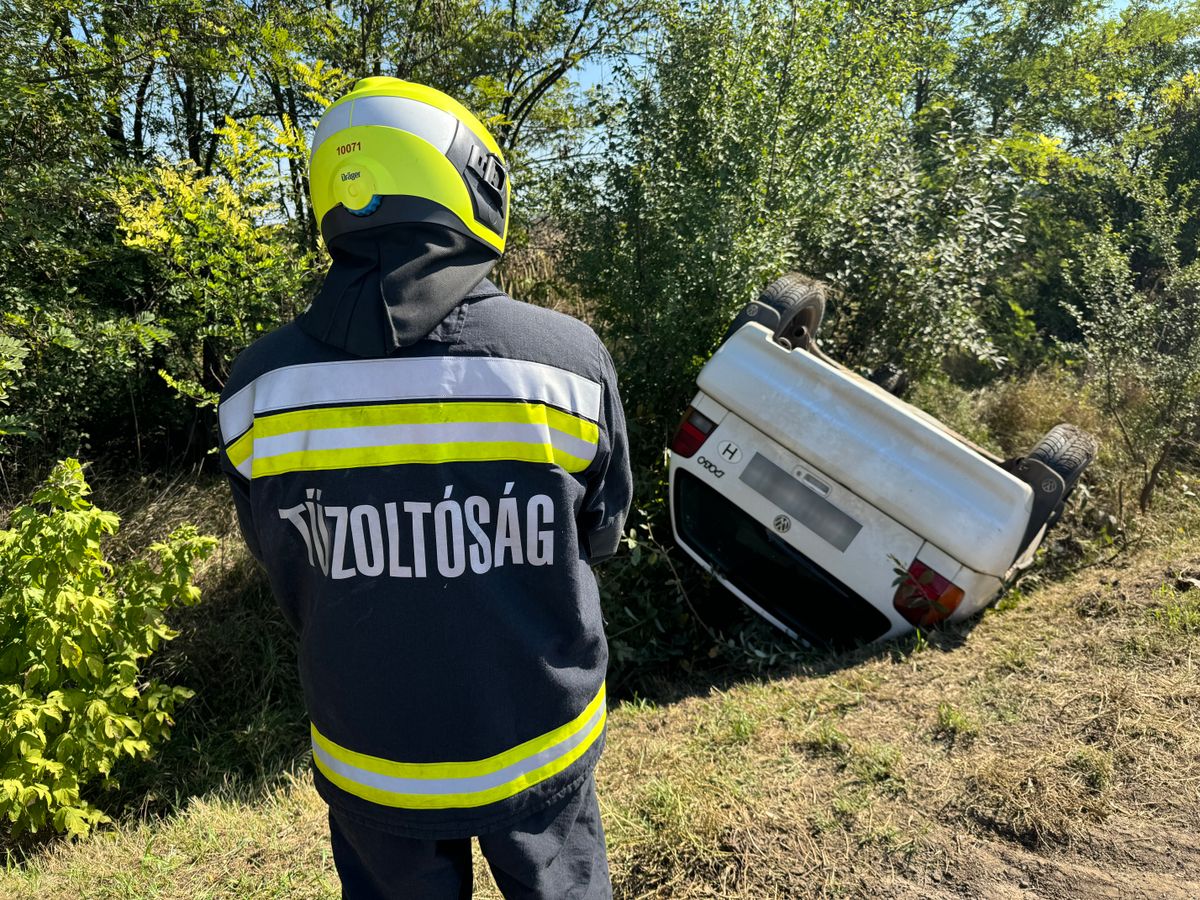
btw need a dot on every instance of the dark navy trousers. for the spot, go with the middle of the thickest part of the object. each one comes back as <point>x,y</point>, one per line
<point>556,854</point>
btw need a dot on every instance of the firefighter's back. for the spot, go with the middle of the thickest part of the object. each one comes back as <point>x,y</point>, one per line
<point>427,520</point>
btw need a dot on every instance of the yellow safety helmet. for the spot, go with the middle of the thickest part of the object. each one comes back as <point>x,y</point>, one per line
<point>393,151</point>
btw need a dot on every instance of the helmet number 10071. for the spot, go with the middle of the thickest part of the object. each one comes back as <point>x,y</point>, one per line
<point>349,148</point>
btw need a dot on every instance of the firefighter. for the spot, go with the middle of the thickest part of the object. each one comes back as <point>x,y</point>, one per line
<point>427,469</point>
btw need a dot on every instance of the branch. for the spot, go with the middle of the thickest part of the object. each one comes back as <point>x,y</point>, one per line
<point>106,69</point>
<point>566,62</point>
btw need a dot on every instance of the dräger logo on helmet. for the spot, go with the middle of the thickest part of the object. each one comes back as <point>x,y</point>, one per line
<point>350,176</point>
<point>409,539</point>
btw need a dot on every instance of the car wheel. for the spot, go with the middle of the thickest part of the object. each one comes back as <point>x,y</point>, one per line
<point>800,302</point>
<point>892,379</point>
<point>1068,451</point>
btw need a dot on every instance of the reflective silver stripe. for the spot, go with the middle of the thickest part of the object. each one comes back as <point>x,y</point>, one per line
<point>468,785</point>
<point>418,378</point>
<point>336,118</point>
<point>235,414</point>
<point>427,122</point>
<point>422,433</point>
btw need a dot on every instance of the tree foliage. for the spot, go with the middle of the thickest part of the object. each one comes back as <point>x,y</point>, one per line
<point>726,151</point>
<point>913,244</point>
<point>1142,331</point>
<point>222,272</point>
<point>153,181</point>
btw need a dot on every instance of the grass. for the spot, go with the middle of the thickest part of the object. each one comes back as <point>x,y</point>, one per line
<point>1053,742</point>
<point>954,725</point>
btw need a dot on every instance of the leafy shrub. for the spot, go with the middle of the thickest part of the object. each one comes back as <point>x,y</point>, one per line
<point>12,361</point>
<point>80,383</point>
<point>66,309</point>
<point>74,633</point>
<point>641,592</point>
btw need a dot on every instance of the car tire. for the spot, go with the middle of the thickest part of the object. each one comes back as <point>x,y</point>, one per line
<point>892,379</point>
<point>1068,451</point>
<point>800,302</point>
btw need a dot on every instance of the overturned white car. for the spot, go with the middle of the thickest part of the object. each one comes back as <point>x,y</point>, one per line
<point>834,509</point>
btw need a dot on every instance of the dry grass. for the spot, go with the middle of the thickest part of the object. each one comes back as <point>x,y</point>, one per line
<point>1054,745</point>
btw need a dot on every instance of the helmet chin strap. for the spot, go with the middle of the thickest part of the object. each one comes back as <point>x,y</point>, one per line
<point>390,286</point>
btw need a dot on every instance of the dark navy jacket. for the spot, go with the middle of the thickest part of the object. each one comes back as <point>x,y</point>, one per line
<point>428,520</point>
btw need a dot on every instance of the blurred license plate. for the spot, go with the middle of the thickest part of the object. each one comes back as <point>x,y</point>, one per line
<point>804,505</point>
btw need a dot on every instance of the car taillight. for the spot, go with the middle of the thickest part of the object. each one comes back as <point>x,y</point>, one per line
<point>694,429</point>
<point>924,597</point>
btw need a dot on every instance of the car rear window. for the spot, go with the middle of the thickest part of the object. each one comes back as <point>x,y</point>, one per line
<point>769,571</point>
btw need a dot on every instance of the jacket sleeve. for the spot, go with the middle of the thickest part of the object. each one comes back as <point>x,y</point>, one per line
<point>610,483</point>
<point>239,486</point>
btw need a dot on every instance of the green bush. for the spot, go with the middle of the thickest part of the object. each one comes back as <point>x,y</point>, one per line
<point>75,631</point>
<point>225,265</point>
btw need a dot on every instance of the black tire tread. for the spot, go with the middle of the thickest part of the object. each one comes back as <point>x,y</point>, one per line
<point>1067,450</point>
<point>792,293</point>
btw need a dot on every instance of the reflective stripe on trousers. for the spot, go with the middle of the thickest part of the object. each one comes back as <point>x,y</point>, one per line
<point>456,785</point>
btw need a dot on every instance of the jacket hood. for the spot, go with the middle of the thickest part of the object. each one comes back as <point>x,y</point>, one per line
<point>389,287</point>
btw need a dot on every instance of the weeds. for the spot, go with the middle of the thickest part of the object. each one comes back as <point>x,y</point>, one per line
<point>1169,628</point>
<point>953,725</point>
<point>828,740</point>
<point>1094,766</point>
<point>1178,614</point>
<point>739,726</point>
<point>1097,604</point>
<point>876,765</point>
<point>1016,657</point>
<point>1011,599</point>
<point>638,705</point>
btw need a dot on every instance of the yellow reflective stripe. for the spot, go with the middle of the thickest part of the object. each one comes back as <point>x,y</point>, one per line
<point>467,800</point>
<point>239,451</point>
<point>391,414</point>
<point>462,769</point>
<point>425,414</point>
<point>397,454</point>
<point>461,801</point>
